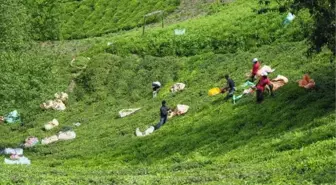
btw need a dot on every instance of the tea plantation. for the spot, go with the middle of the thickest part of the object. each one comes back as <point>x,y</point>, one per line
<point>287,139</point>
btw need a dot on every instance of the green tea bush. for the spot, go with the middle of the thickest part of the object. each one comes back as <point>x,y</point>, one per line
<point>71,19</point>
<point>14,25</point>
<point>220,34</point>
<point>288,139</point>
<point>29,79</point>
<point>135,75</point>
<point>93,18</point>
<point>44,19</point>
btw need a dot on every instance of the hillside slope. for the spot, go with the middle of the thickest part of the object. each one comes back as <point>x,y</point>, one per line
<point>288,139</point>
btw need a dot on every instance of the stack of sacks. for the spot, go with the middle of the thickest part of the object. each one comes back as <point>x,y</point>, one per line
<point>30,142</point>
<point>51,124</point>
<point>61,96</point>
<point>17,160</point>
<point>49,140</point>
<point>53,104</point>
<point>179,110</point>
<point>16,156</point>
<point>10,151</point>
<point>278,82</point>
<point>67,135</point>
<point>177,87</point>
<point>58,103</point>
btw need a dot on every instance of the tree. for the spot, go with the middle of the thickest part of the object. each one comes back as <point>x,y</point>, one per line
<point>323,12</point>
<point>324,17</point>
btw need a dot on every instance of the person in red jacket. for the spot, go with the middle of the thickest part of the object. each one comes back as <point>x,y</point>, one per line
<point>255,68</point>
<point>261,87</point>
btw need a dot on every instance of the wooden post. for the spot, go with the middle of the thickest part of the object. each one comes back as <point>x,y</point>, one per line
<point>162,18</point>
<point>150,14</point>
<point>144,23</point>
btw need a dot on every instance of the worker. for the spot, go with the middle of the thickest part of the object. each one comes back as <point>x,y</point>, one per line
<point>255,68</point>
<point>156,87</point>
<point>163,115</point>
<point>230,87</point>
<point>163,119</point>
<point>261,87</point>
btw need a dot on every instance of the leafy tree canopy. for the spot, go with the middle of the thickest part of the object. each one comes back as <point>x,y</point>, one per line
<point>323,13</point>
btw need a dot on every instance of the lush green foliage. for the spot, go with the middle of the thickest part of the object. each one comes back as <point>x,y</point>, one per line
<point>324,23</point>
<point>45,19</point>
<point>72,19</point>
<point>288,139</point>
<point>323,13</point>
<point>225,32</point>
<point>14,25</point>
<point>29,78</point>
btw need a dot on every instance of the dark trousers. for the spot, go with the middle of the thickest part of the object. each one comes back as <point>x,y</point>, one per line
<point>252,78</point>
<point>162,122</point>
<point>156,88</point>
<point>260,96</point>
<point>230,94</point>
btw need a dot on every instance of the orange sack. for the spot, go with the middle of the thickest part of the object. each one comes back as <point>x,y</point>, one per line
<point>306,82</point>
<point>278,82</point>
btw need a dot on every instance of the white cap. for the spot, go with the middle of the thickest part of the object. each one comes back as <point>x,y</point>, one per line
<point>157,83</point>
<point>255,60</point>
<point>264,73</point>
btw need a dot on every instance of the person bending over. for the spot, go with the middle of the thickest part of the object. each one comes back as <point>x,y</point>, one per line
<point>230,87</point>
<point>261,87</point>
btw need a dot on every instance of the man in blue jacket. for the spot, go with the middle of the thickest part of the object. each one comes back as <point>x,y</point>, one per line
<point>163,115</point>
<point>163,118</point>
<point>230,87</point>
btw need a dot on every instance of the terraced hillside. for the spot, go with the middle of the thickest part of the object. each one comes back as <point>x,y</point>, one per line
<point>89,18</point>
